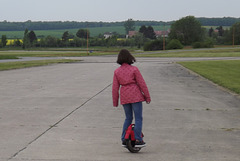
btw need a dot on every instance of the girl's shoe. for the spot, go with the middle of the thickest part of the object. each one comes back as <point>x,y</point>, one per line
<point>124,143</point>
<point>139,144</point>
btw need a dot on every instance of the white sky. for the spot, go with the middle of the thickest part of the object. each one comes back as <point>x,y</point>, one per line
<point>115,10</point>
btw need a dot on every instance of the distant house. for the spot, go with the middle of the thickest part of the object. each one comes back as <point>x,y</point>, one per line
<point>107,35</point>
<point>131,34</point>
<point>162,33</point>
<point>157,33</point>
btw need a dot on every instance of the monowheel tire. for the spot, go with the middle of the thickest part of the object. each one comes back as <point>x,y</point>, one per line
<point>130,146</point>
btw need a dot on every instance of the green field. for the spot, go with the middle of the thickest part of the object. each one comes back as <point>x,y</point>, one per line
<point>94,31</point>
<point>223,73</point>
<point>58,33</point>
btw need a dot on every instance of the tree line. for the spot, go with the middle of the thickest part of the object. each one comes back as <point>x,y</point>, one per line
<point>57,25</point>
<point>80,39</point>
<point>225,21</point>
<point>54,25</point>
<point>187,31</point>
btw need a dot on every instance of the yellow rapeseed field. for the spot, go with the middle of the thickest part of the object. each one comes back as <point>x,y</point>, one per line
<point>11,41</point>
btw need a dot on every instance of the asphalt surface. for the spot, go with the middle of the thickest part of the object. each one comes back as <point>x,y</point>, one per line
<point>64,112</point>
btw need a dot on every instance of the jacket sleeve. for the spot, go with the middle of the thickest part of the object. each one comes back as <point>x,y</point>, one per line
<point>142,84</point>
<point>115,90</point>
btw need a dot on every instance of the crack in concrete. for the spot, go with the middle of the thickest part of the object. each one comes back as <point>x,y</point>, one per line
<point>17,153</point>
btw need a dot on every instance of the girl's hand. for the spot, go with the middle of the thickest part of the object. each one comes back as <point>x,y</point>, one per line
<point>148,102</point>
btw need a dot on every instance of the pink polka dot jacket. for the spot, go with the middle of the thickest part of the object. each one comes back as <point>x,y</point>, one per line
<point>132,86</point>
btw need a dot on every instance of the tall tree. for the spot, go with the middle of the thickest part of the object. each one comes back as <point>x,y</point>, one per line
<point>210,31</point>
<point>235,33</point>
<point>65,36</point>
<point>129,25</point>
<point>148,32</point>
<point>83,33</point>
<point>220,31</point>
<point>139,39</point>
<point>32,37</point>
<point>4,41</point>
<point>51,41</point>
<point>143,29</point>
<point>26,41</point>
<point>187,30</point>
<point>17,43</point>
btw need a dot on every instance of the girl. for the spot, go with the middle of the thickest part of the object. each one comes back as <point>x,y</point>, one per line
<point>133,92</point>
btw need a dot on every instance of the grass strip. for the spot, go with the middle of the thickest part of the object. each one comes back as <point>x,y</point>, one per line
<point>35,63</point>
<point>234,52</point>
<point>8,57</point>
<point>99,51</point>
<point>55,53</point>
<point>222,72</point>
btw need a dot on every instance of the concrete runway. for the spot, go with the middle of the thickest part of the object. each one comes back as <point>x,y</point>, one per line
<point>64,112</point>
